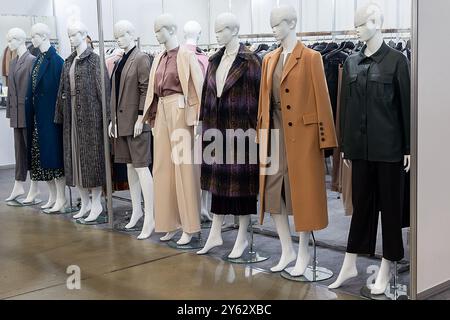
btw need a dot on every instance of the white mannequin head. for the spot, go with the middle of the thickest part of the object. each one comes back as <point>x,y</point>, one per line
<point>165,29</point>
<point>77,33</point>
<point>16,38</point>
<point>283,21</point>
<point>40,35</point>
<point>227,28</point>
<point>368,21</point>
<point>192,32</point>
<point>124,33</point>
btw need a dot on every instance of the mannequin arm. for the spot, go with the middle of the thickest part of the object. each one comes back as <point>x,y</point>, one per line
<point>197,78</point>
<point>139,126</point>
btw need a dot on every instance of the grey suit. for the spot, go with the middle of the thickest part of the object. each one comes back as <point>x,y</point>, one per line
<point>126,108</point>
<point>18,81</point>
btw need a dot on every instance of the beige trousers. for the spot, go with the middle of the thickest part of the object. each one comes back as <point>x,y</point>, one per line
<point>177,185</point>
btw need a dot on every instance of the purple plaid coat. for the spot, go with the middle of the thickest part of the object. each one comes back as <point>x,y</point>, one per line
<point>237,108</point>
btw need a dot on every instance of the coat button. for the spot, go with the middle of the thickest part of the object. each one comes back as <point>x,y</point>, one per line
<point>322,129</point>
<point>78,91</point>
<point>288,107</point>
<point>287,90</point>
<point>290,124</point>
<point>321,124</point>
<point>323,139</point>
<point>79,107</point>
<point>121,111</point>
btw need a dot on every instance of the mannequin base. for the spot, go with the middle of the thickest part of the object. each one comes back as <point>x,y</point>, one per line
<point>248,258</point>
<point>195,244</point>
<point>392,293</point>
<point>121,227</point>
<point>102,219</point>
<point>206,224</point>
<point>321,274</point>
<point>15,203</point>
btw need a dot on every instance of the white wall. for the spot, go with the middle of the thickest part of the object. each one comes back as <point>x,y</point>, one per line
<point>27,7</point>
<point>433,234</point>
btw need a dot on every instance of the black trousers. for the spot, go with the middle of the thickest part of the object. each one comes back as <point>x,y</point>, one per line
<point>377,186</point>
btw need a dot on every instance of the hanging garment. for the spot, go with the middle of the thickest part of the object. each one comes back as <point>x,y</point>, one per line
<point>8,56</point>
<point>375,118</point>
<point>308,128</point>
<point>230,102</point>
<point>46,153</point>
<point>177,196</point>
<point>18,81</point>
<point>79,110</point>
<point>129,88</point>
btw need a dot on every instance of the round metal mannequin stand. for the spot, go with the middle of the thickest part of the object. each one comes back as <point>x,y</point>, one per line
<point>195,244</point>
<point>68,210</point>
<point>313,273</point>
<point>251,256</point>
<point>395,290</point>
<point>206,224</point>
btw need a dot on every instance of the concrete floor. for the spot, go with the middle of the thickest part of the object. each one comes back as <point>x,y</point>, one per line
<point>36,250</point>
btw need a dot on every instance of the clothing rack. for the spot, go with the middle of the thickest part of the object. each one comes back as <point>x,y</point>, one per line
<point>113,43</point>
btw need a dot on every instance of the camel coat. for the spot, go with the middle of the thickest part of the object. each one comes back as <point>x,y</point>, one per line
<point>308,128</point>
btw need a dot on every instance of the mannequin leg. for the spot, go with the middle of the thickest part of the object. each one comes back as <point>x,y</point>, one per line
<point>215,235</point>
<point>303,257</point>
<point>18,191</point>
<point>52,195</point>
<point>383,278</point>
<point>86,203</point>
<point>146,180</point>
<point>169,236</point>
<point>136,196</point>
<point>33,192</point>
<point>97,207</point>
<point>185,239</point>
<point>61,200</point>
<point>241,241</point>
<point>287,248</point>
<point>348,271</point>
<point>206,205</point>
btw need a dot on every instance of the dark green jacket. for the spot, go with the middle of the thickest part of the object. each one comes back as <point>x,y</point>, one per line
<point>375,106</point>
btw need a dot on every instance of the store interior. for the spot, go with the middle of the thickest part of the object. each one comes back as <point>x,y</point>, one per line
<point>326,26</point>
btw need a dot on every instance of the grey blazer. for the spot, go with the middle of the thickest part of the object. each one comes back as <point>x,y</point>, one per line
<point>18,81</point>
<point>132,93</point>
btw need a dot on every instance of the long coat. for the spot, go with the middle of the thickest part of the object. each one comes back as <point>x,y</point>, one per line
<point>236,109</point>
<point>41,104</point>
<point>308,128</point>
<point>89,116</point>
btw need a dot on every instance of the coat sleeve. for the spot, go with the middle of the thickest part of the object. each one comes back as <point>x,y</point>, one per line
<point>326,129</point>
<point>205,87</point>
<point>144,66</point>
<point>98,83</point>
<point>403,80</point>
<point>8,106</point>
<point>150,105</point>
<point>59,108</point>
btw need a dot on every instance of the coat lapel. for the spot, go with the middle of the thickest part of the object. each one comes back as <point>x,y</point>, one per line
<point>126,69</point>
<point>238,68</point>
<point>293,60</point>
<point>151,83</point>
<point>44,66</point>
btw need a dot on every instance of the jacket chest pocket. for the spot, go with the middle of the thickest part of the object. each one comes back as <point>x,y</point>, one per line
<point>382,85</point>
<point>351,84</point>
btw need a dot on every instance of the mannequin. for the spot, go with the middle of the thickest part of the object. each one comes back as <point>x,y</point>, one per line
<point>241,70</point>
<point>131,137</point>
<point>192,33</point>
<point>174,92</point>
<point>368,23</point>
<point>18,80</point>
<point>49,165</point>
<point>81,117</point>
<point>283,69</point>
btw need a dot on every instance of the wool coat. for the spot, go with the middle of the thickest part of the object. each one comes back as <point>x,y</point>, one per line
<point>89,116</point>
<point>236,109</point>
<point>40,104</point>
<point>308,128</point>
